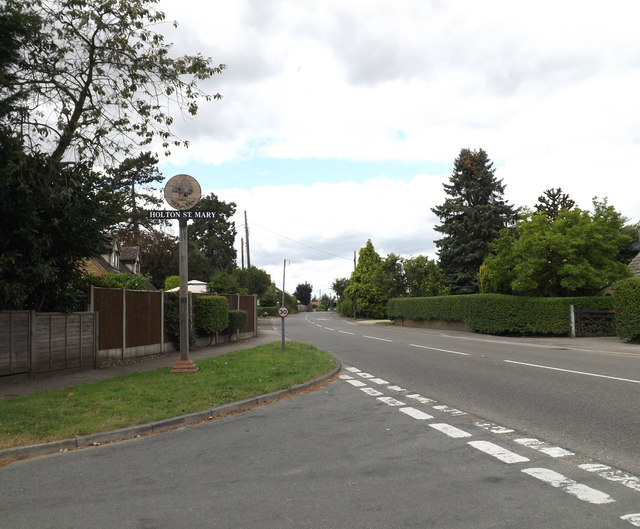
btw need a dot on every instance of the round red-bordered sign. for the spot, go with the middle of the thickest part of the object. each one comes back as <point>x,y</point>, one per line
<point>283,312</point>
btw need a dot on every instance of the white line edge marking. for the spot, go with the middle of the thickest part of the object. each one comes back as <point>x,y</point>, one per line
<point>416,414</point>
<point>633,519</point>
<point>574,372</point>
<point>449,430</point>
<point>376,338</point>
<point>617,476</point>
<point>504,455</point>
<point>570,486</point>
<point>391,401</point>
<point>441,350</point>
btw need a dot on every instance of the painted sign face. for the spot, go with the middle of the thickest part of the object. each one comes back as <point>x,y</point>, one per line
<point>182,191</point>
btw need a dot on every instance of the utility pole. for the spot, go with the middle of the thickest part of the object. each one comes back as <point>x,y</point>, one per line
<point>242,251</point>
<point>246,232</point>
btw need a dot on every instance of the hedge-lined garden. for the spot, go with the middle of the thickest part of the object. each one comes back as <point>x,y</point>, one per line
<point>499,314</point>
<point>627,305</point>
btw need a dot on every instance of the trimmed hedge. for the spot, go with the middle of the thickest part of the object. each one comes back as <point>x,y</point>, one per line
<point>211,314</point>
<point>237,320</point>
<point>627,305</point>
<point>497,313</point>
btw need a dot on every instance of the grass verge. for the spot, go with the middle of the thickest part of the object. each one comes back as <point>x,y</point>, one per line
<point>149,396</point>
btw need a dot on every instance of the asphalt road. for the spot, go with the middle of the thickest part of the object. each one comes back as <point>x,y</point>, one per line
<point>406,437</point>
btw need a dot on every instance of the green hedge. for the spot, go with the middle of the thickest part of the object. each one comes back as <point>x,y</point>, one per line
<point>211,314</point>
<point>497,313</point>
<point>627,305</point>
<point>237,320</point>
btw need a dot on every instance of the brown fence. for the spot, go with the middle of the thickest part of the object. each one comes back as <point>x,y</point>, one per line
<point>39,342</point>
<point>132,322</point>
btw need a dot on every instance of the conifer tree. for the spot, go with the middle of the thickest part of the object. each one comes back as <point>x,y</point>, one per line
<point>471,218</point>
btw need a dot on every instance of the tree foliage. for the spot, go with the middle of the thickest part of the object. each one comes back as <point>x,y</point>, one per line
<point>552,201</point>
<point>214,237</point>
<point>471,218</point>
<point>99,80</point>
<point>303,293</point>
<point>571,255</point>
<point>365,288</point>
<point>423,277</point>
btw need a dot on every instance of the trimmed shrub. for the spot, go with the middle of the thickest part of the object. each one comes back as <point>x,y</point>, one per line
<point>497,313</point>
<point>237,320</point>
<point>211,314</point>
<point>172,320</point>
<point>627,305</point>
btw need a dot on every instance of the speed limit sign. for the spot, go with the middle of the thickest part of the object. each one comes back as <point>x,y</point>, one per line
<point>283,312</point>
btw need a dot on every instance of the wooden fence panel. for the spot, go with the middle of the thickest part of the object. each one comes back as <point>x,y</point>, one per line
<point>107,303</point>
<point>144,318</point>
<point>14,343</point>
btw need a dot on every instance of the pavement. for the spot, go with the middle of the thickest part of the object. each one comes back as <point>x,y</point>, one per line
<point>13,387</point>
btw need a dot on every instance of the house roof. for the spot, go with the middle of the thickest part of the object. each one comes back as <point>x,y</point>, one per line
<point>634,265</point>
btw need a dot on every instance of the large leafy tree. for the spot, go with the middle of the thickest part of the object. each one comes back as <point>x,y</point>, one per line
<point>471,217</point>
<point>213,236</point>
<point>423,277</point>
<point>100,81</point>
<point>571,254</point>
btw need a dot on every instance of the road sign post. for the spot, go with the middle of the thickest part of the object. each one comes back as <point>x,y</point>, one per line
<point>283,312</point>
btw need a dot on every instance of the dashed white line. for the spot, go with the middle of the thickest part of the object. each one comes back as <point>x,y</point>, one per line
<point>416,414</point>
<point>376,338</point>
<point>352,369</point>
<point>391,401</point>
<point>449,410</point>
<point>449,430</point>
<point>570,486</point>
<point>420,398</point>
<point>365,375</point>
<point>356,383</point>
<point>347,332</point>
<point>493,428</point>
<point>541,446</point>
<point>379,381</point>
<point>345,377</point>
<point>441,350</point>
<point>613,475</point>
<point>372,392</point>
<point>633,519</point>
<point>574,372</point>
<point>504,455</point>
<point>396,388</point>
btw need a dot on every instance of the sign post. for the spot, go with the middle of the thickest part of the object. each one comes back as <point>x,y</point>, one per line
<point>183,192</point>
<point>283,312</point>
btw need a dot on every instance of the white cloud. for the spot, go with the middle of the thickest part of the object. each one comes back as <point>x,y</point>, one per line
<point>549,89</point>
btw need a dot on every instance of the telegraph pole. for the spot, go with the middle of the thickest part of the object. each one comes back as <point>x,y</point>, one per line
<point>246,232</point>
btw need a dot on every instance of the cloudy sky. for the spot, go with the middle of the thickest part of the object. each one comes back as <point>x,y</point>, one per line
<point>341,119</point>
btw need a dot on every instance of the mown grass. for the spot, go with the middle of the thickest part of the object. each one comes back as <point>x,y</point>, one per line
<point>145,397</point>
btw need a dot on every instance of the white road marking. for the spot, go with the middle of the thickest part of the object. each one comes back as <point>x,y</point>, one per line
<point>570,486</point>
<point>396,388</point>
<point>449,410</point>
<point>329,329</point>
<point>345,377</point>
<point>379,381</point>
<point>416,414</point>
<point>613,475</point>
<point>437,349</point>
<point>633,519</point>
<point>493,428</point>
<point>365,375</point>
<point>449,430</point>
<point>504,455</point>
<point>347,332</point>
<point>356,383</point>
<point>372,392</point>
<point>420,398</point>
<point>391,401</point>
<point>540,446</point>
<point>352,369</point>
<point>376,338</point>
<point>574,372</point>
